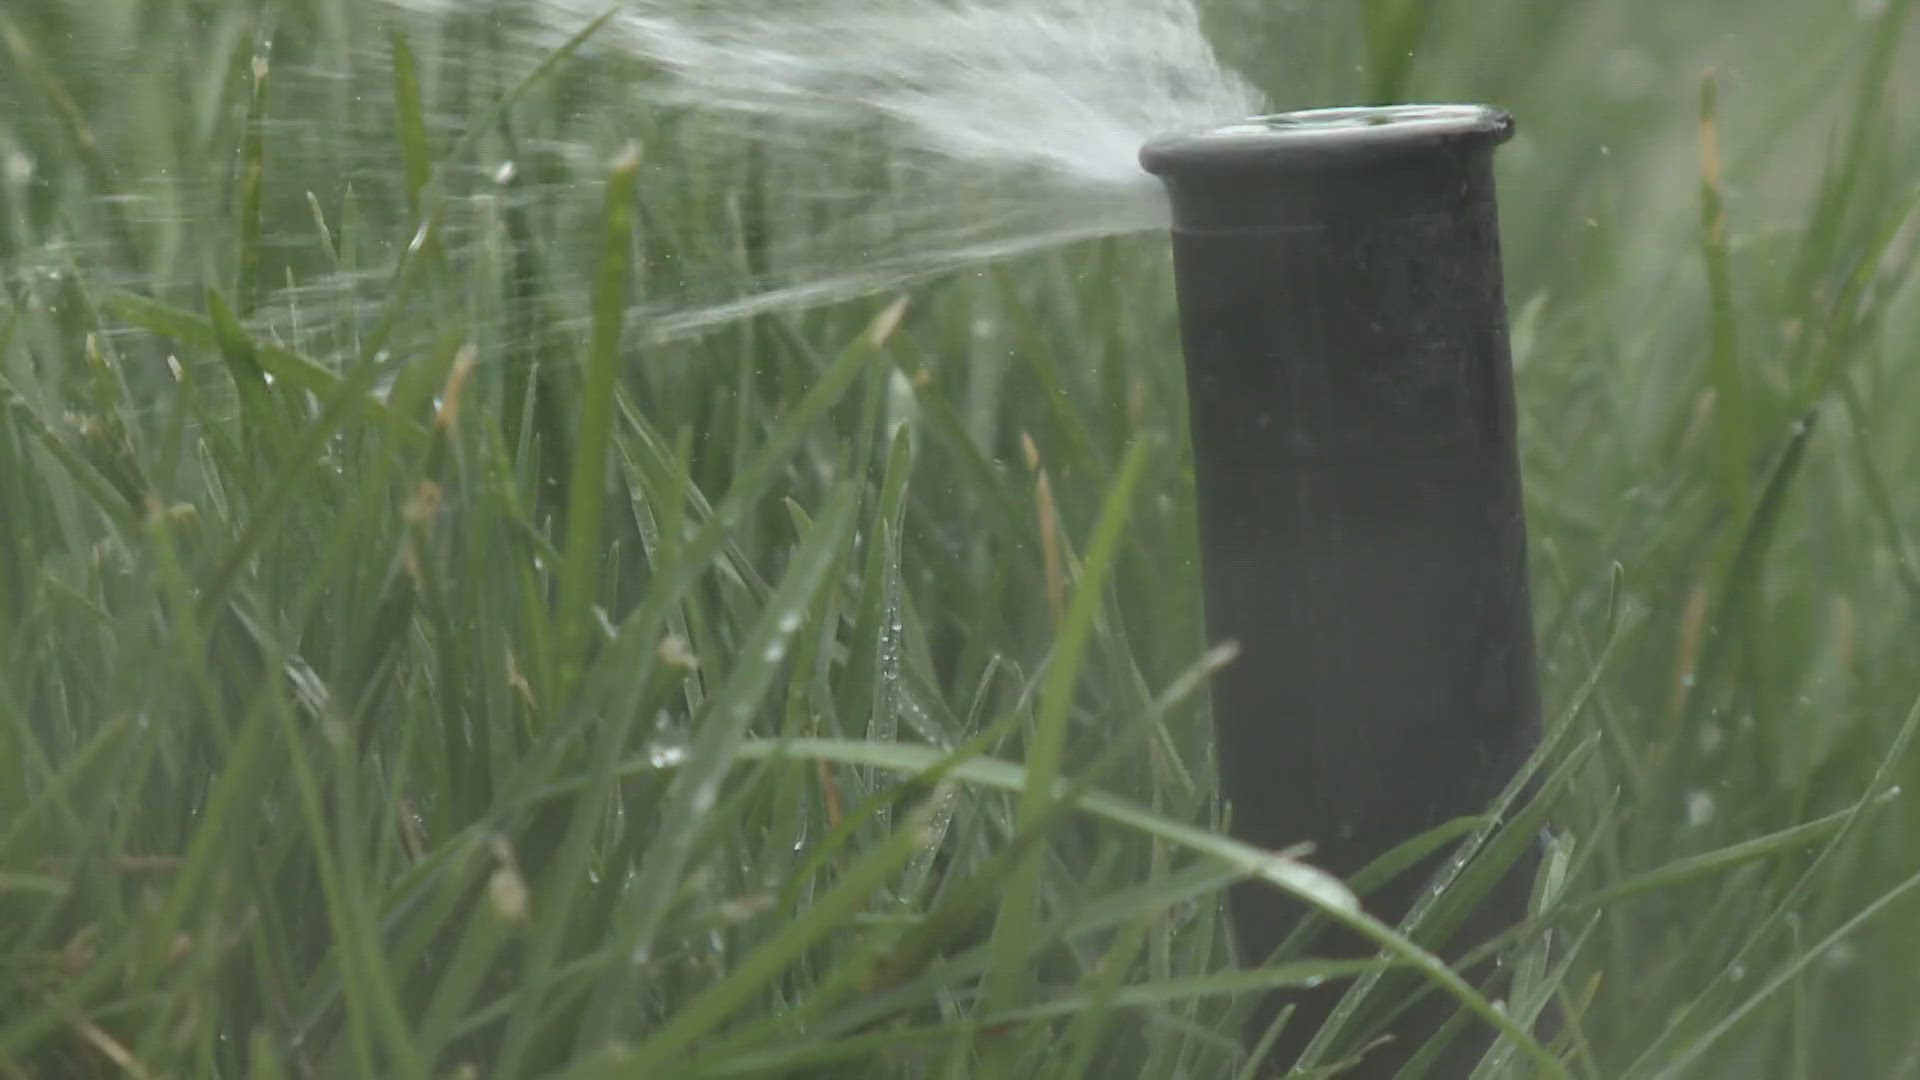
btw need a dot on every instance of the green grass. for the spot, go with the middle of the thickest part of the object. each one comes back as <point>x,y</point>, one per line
<point>410,664</point>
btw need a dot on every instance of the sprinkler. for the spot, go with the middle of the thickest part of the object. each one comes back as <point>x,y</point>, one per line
<point>1361,531</point>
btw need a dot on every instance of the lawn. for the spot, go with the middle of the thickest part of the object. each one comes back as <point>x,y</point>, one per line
<point>440,637</point>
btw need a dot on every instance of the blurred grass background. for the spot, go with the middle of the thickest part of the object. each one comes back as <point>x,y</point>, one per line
<point>396,635</point>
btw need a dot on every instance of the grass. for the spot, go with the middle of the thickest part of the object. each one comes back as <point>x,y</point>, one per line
<point>411,666</point>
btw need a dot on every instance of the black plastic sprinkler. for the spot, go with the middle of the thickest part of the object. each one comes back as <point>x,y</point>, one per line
<point>1353,435</point>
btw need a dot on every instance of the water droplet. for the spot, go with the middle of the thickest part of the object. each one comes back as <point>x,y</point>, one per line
<point>675,651</point>
<point>508,893</point>
<point>1700,808</point>
<point>19,167</point>
<point>789,622</point>
<point>1841,955</point>
<point>666,755</point>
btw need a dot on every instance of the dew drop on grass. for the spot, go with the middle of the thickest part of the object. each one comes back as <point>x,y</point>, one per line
<point>704,797</point>
<point>19,168</point>
<point>666,755</point>
<point>1700,808</point>
<point>508,893</point>
<point>920,721</point>
<point>1840,956</point>
<point>935,834</point>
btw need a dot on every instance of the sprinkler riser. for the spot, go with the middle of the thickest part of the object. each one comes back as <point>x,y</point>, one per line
<point>1361,528</point>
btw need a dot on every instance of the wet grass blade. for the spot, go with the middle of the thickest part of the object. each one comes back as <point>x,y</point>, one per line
<point>586,493</point>
<point>1015,927</point>
<point>1319,891</point>
<point>249,285</point>
<point>1732,411</point>
<point>1685,1057</point>
<point>186,328</point>
<point>850,893</point>
<point>410,124</point>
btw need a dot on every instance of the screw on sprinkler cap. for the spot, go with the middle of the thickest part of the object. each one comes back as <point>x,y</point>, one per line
<point>1300,167</point>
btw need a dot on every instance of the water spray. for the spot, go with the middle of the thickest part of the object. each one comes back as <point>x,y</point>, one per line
<point>996,128</point>
<point>1360,518</point>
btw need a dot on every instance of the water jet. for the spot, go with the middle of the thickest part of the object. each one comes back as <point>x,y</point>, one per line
<point>1362,537</point>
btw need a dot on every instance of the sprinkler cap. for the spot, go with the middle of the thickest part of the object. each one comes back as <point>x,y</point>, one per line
<point>1301,167</point>
<point>1321,137</point>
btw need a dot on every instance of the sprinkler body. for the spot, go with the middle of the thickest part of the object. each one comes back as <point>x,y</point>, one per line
<point>1352,412</point>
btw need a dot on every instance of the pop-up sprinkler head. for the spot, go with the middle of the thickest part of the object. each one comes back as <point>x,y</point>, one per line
<point>1360,520</point>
